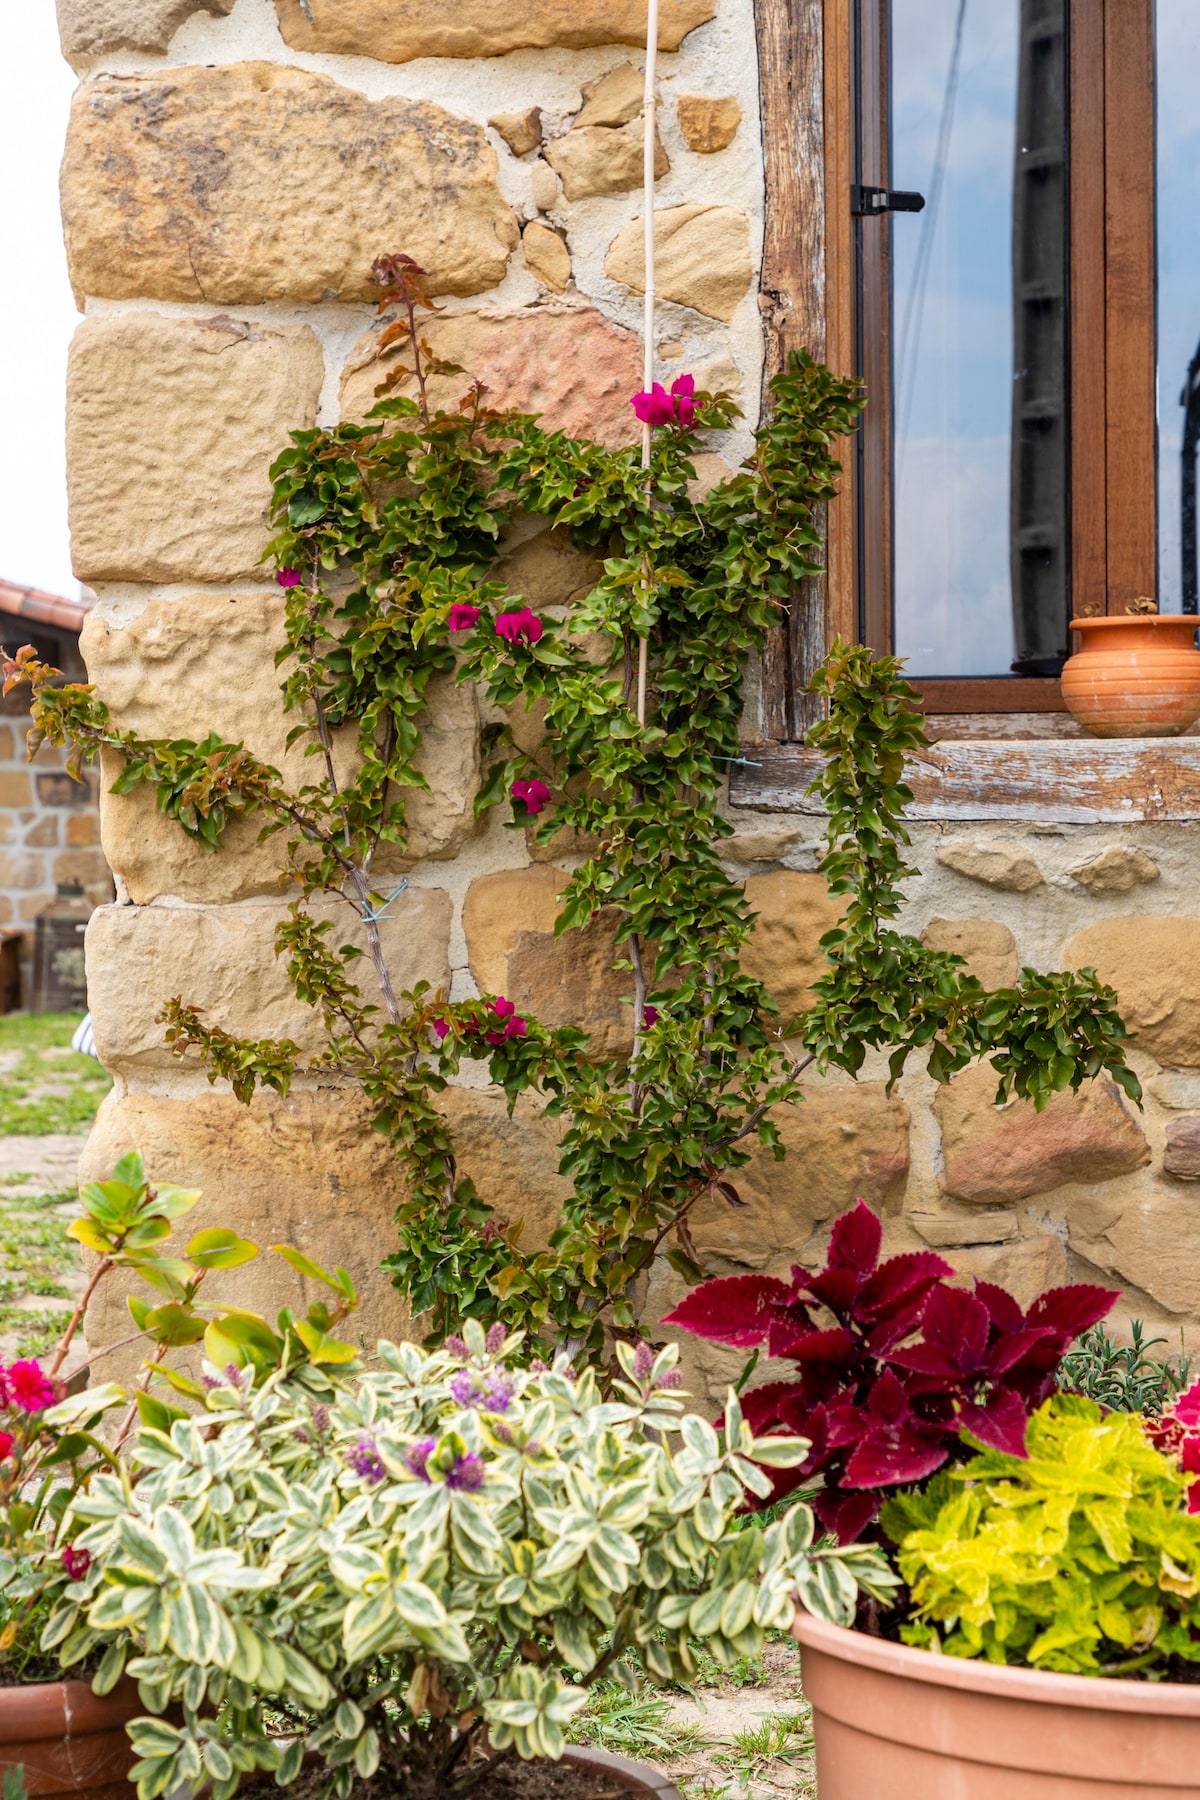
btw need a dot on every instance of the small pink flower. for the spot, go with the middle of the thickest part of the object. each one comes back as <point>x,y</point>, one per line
<point>494,1038</point>
<point>76,1562</point>
<point>654,407</point>
<point>28,1388</point>
<point>441,1029</point>
<point>515,626</point>
<point>535,794</point>
<point>496,1339</point>
<point>463,617</point>
<point>682,390</point>
<point>650,1015</point>
<point>515,1028</point>
<point>288,577</point>
<point>503,1009</point>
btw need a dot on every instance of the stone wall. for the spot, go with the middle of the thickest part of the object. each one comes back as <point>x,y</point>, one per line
<point>231,171</point>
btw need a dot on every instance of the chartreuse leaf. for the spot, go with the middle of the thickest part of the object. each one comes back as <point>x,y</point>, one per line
<point>217,1249</point>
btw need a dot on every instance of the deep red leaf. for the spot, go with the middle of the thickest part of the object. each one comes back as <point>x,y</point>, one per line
<point>930,1360</point>
<point>892,1454</point>
<point>899,1282</point>
<point>836,1289</point>
<point>833,1349</point>
<point>761,1406</point>
<point>846,1515</point>
<point>888,1401</point>
<point>1004,1311</point>
<point>999,1422</point>
<point>734,1309</point>
<point>1008,1351</point>
<point>1070,1311</point>
<point>855,1241</point>
<point>884,1337</point>
<point>956,1323</point>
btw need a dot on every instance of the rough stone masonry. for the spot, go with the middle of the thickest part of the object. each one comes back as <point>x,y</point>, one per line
<point>229,175</point>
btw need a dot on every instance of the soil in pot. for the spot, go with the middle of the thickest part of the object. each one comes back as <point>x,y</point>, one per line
<point>584,1774</point>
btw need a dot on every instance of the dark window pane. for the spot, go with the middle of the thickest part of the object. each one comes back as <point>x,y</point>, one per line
<point>979,322</point>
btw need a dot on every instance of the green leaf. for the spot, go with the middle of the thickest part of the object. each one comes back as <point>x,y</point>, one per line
<point>218,1249</point>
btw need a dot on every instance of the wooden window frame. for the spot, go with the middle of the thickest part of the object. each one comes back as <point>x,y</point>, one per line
<point>809,65</point>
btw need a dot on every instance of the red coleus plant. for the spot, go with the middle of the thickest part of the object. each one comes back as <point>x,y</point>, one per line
<point>893,1364</point>
<point>1176,1432</point>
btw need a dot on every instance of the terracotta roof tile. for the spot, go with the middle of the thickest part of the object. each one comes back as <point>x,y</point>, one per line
<point>43,609</point>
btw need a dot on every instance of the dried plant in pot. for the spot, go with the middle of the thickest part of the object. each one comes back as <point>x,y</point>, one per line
<point>1046,1638</point>
<point>1135,674</point>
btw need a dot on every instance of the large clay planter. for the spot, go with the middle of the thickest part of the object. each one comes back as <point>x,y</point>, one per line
<point>70,1740</point>
<point>899,1724</point>
<point>1136,675</point>
<point>634,1777</point>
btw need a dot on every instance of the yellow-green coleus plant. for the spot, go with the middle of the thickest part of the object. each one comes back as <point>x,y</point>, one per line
<point>1081,1557</point>
<point>432,1567</point>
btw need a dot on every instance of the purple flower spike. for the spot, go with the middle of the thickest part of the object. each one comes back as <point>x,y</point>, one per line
<point>417,1455</point>
<point>495,1339</point>
<point>366,1461</point>
<point>463,1390</point>
<point>643,1362</point>
<point>465,1473</point>
<point>456,1347</point>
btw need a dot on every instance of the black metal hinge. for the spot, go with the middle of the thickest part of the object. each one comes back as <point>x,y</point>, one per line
<point>866,202</point>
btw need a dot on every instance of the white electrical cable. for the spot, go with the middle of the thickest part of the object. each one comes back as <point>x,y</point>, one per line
<point>649,157</point>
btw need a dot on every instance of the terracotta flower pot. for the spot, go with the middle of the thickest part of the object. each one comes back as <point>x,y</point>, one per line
<point>70,1740</point>
<point>899,1724</point>
<point>635,1776</point>
<point>1136,675</point>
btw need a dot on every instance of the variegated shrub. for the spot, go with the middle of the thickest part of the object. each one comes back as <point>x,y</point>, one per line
<point>431,1567</point>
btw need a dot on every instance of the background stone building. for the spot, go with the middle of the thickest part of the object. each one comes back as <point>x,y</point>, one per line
<point>49,822</point>
<point>231,171</point>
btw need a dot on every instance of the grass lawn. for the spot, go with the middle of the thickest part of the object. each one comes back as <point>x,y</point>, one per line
<point>45,1086</point>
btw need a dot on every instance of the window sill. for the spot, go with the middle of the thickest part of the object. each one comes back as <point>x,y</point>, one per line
<point>1071,781</point>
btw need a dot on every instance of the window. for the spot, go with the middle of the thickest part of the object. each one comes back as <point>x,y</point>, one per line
<point>1029,339</point>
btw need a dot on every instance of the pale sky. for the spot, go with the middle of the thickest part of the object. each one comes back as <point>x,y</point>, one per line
<point>37,312</point>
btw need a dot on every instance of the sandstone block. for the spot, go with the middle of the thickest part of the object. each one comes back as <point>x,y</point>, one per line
<point>846,1141</point>
<point>997,864</point>
<point>42,833</point>
<point>1004,1153</point>
<point>1182,1155</point>
<point>20,870</point>
<point>1151,1240</point>
<point>546,256</point>
<point>614,99</point>
<point>521,131</point>
<point>8,743</point>
<point>708,122</point>
<point>222,959</point>
<point>1176,1091</point>
<point>509,923</point>
<point>784,953</point>
<point>1026,1268</point>
<point>546,568</point>
<point>16,787</point>
<point>602,159</point>
<point>988,948</point>
<point>94,27</point>
<point>948,1230</point>
<point>760,846</point>
<point>702,255</point>
<point>307,1171</point>
<point>82,828</point>
<point>545,189</point>
<point>172,425</point>
<point>1154,964</point>
<point>206,661</point>
<point>1116,870</point>
<point>568,363</point>
<point>186,185</point>
<point>513,1162</point>
<point>399,30</point>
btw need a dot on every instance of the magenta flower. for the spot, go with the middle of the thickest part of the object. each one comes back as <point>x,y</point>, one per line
<point>463,617</point>
<point>650,1015</point>
<point>28,1388</point>
<point>76,1562</point>
<point>515,1028</point>
<point>417,1455</point>
<point>655,407</point>
<point>534,793</point>
<point>288,577</point>
<point>464,1390</point>
<point>502,1008</point>
<point>465,1473</point>
<point>366,1461</point>
<point>441,1029</point>
<point>517,626</point>
<point>682,390</point>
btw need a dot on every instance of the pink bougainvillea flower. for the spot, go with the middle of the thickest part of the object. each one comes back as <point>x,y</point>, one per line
<point>7,1440</point>
<point>535,794</point>
<point>76,1562</point>
<point>463,617</point>
<point>683,389</point>
<point>515,1028</point>
<point>517,626</point>
<point>503,1009</point>
<point>288,577</point>
<point>28,1388</point>
<point>441,1029</point>
<point>655,406</point>
<point>650,1015</point>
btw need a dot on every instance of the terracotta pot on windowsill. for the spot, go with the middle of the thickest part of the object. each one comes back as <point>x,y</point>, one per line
<point>898,1724</point>
<point>1136,675</point>
<point>69,1740</point>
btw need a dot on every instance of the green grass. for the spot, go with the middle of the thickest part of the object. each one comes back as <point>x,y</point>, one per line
<point>755,1753</point>
<point>632,1725</point>
<point>49,1087</point>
